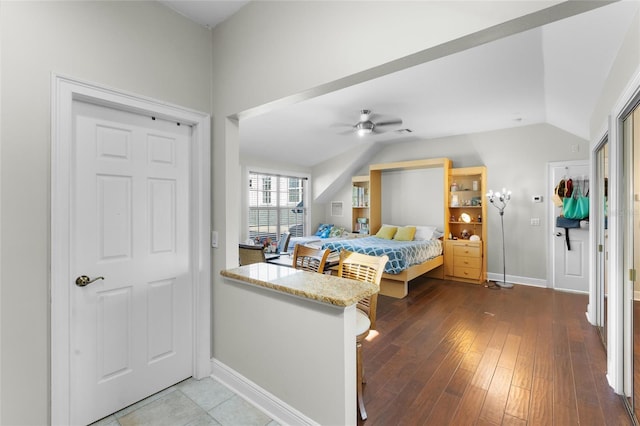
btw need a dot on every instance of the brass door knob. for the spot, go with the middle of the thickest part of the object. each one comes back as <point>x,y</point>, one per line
<point>84,280</point>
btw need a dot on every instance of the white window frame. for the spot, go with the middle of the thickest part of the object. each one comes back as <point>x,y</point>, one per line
<point>248,170</point>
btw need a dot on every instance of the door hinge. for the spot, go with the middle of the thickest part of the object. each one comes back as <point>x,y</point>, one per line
<point>632,274</point>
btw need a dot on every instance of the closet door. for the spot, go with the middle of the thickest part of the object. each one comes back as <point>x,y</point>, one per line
<point>601,194</point>
<point>631,256</point>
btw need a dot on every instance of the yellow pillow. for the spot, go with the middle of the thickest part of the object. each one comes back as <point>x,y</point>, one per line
<point>387,232</point>
<point>405,233</point>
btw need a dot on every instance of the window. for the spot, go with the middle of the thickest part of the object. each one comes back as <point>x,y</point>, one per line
<point>266,190</point>
<point>295,190</point>
<point>276,205</point>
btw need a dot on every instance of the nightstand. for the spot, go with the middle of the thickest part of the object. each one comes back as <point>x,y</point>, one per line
<point>463,261</point>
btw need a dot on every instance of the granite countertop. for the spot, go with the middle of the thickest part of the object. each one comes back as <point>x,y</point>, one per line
<point>311,285</point>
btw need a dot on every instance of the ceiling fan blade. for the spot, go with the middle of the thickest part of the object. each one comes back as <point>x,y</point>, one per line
<point>341,125</point>
<point>397,122</point>
<point>343,128</point>
<point>347,132</point>
<point>377,130</point>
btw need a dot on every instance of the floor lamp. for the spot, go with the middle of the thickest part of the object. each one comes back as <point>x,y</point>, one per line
<point>500,200</point>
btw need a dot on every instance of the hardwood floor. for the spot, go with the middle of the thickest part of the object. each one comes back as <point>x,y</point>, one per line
<point>461,354</point>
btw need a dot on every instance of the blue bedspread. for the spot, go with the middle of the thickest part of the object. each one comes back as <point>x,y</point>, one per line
<point>402,254</point>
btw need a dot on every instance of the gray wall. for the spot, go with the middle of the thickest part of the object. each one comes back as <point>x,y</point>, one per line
<point>622,71</point>
<point>413,197</point>
<point>141,47</point>
<point>515,158</point>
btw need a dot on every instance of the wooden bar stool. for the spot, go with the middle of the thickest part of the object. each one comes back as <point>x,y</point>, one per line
<point>309,258</point>
<point>362,267</point>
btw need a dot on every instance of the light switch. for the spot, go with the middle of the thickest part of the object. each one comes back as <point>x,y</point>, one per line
<point>535,221</point>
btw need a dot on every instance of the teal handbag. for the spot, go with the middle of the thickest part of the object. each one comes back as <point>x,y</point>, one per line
<point>576,206</point>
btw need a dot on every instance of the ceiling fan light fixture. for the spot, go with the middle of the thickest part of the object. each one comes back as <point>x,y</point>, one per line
<point>364,128</point>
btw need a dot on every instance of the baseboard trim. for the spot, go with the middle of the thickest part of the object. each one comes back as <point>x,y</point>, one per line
<point>532,282</point>
<point>268,403</point>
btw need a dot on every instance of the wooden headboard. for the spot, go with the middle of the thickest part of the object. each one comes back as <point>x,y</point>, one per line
<point>376,172</point>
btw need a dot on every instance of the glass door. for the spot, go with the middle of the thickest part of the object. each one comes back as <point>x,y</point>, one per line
<point>602,236</point>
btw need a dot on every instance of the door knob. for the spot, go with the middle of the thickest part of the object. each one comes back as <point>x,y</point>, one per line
<point>84,280</point>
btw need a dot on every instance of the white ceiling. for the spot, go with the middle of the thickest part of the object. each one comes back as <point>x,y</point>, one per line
<point>550,74</point>
<point>208,13</point>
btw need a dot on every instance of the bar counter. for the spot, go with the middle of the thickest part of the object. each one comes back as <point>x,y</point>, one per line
<point>286,338</point>
<point>319,287</point>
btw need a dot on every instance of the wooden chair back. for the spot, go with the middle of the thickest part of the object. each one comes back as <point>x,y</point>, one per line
<point>309,258</point>
<point>363,267</point>
<point>250,254</point>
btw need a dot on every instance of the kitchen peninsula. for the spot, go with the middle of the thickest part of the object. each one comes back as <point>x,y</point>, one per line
<point>291,333</point>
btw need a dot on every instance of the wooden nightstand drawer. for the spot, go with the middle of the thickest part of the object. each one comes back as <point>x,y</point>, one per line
<point>464,261</point>
<point>466,250</point>
<point>467,262</point>
<point>470,273</point>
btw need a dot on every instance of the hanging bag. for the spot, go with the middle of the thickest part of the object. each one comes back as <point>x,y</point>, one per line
<point>577,205</point>
<point>568,188</point>
<point>558,193</point>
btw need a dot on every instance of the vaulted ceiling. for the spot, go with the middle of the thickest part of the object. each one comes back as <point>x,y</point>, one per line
<point>551,74</point>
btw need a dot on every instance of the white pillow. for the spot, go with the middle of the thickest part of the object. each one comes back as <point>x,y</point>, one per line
<point>393,226</point>
<point>425,233</point>
<point>437,234</point>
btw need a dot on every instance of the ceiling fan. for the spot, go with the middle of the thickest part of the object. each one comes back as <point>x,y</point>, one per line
<point>368,124</point>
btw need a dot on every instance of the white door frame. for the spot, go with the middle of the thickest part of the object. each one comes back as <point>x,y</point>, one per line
<point>551,217</point>
<point>64,91</point>
<point>595,313</point>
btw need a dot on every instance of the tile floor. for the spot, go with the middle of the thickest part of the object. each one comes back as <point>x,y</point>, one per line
<point>191,403</point>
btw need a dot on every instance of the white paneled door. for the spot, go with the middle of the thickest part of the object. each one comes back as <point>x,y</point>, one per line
<point>131,327</point>
<point>570,248</point>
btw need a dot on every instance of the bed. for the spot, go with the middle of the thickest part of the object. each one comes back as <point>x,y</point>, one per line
<point>407,259</point>
<point>326,233</point>
<point>311,241</point>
